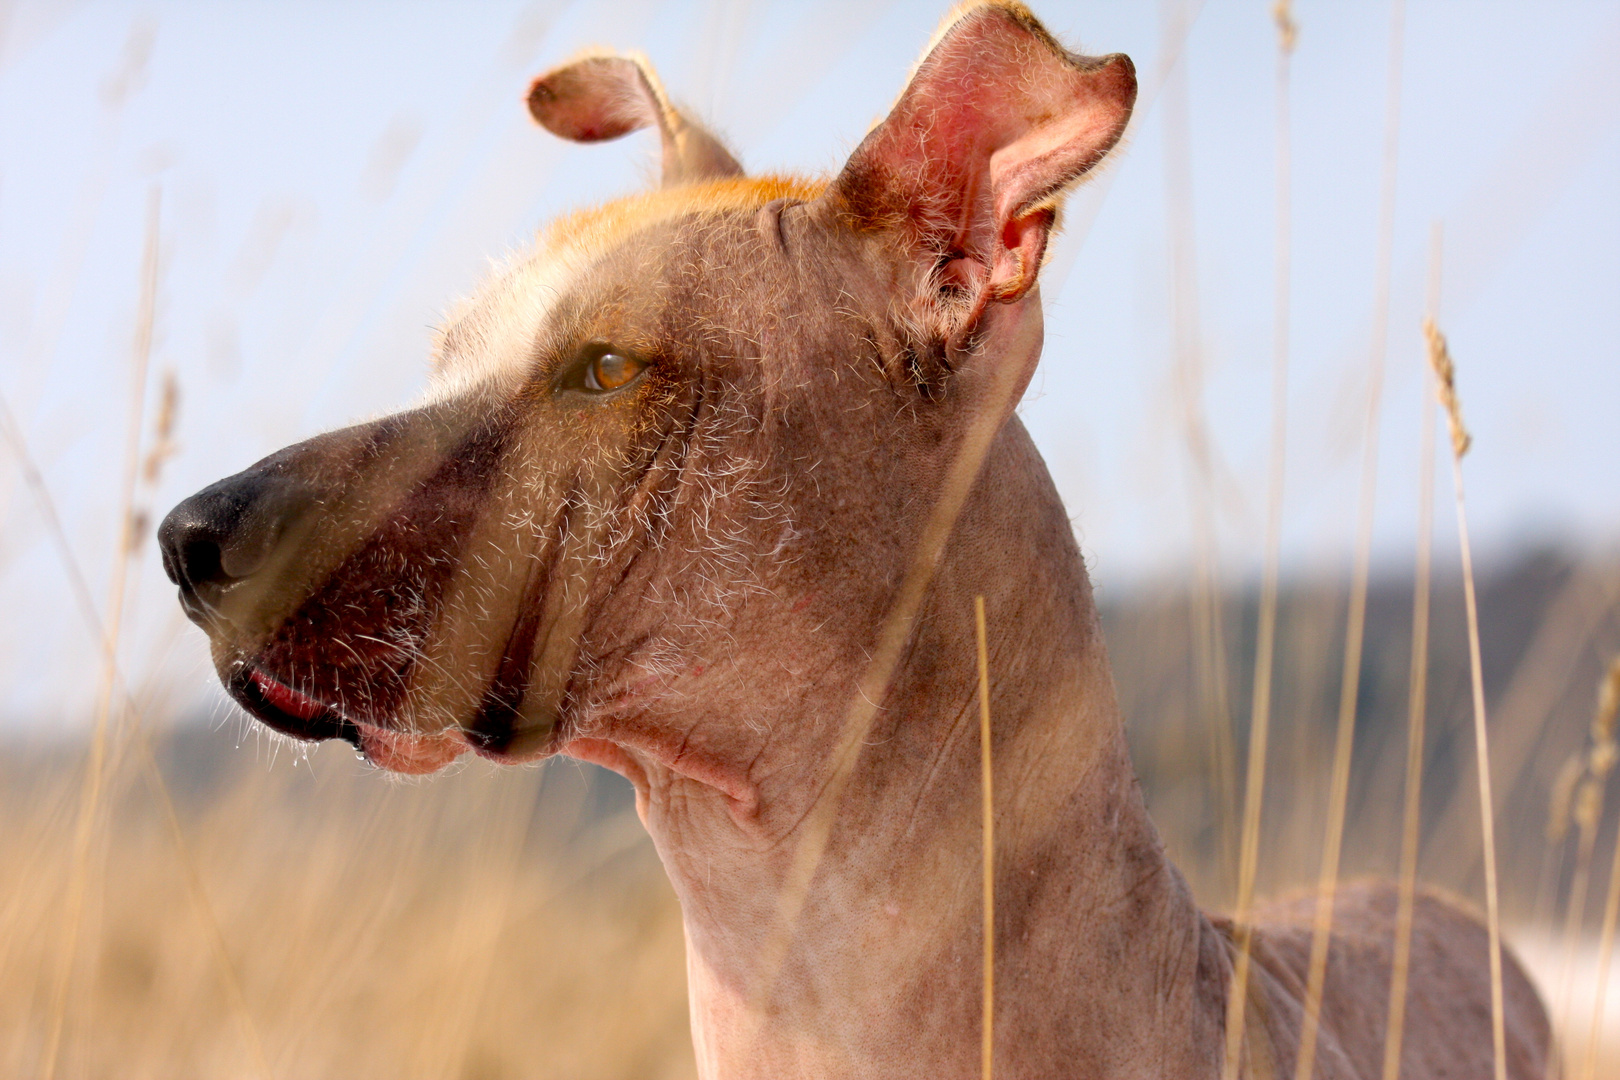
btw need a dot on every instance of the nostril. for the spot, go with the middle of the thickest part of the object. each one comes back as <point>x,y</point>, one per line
<point>190,544</point>
<point>200,562</point>
<point>226,532</point>
<point>197,540</point>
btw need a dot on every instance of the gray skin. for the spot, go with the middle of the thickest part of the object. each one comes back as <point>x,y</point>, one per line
<point>693,578</point>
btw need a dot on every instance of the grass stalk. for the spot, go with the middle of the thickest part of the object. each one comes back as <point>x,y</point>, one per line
<point>1356,626</point>
<point>90,795</point>
<point>1559,799</point>
<point>1266,641</point>
<point>988,1037</point>
<point>1586,808</point>
<point>100,632</point>
<point>1525,716</point>
<point>92,618</point>
<point>477,936</point>
<point>1445,381</point>
<point>1611,912</point>
<point>199,897</point>
<point>1583,803</point>
<point>1209,642</point>
<point>1416,710</point>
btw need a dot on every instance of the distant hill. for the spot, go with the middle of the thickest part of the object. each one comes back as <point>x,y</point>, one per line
<point>1549,625</point>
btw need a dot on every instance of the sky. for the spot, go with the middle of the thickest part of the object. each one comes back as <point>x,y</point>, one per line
<point>330,177</point>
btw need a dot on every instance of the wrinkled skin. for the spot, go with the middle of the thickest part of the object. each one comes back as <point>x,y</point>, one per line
<point>690,578</point>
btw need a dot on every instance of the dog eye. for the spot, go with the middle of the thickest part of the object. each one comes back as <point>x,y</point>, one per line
<point>611,370</point>
<point>602,369</point>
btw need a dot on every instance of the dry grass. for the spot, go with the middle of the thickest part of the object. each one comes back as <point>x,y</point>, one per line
<point>1265,653</point>
<point>1416,722</point>
<point>987,1039</point>
<point>1599,1033</point>
<point>1356,620</point>
<point>107,697</point>
<point>1445,381</point>
<point>485,925</point>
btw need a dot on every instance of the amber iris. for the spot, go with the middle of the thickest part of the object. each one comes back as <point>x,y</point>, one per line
<point>611,370</point>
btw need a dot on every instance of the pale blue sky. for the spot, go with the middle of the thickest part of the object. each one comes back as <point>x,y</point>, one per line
<point>333,174</point>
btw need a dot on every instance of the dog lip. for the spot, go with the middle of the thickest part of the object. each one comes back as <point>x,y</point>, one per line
<point>286,710</point>
<point>294,713</point>
<point>287,699</point>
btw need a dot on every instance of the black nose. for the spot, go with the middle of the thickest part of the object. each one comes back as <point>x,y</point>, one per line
<point>224,533</point>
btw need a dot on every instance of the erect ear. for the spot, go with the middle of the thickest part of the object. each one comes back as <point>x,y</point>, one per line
<point>603,97</point>
<point>971,166</point>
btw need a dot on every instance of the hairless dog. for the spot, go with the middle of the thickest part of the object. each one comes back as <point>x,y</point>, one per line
<point>703,490</point>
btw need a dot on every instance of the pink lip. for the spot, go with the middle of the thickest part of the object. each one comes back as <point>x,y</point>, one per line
<point>392,750</point>
<point>287,699</point>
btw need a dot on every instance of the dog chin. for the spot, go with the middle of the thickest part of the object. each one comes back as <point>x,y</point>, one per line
<point>412,755</point>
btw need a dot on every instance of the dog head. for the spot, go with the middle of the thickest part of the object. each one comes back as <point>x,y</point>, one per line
<point>666,449</point>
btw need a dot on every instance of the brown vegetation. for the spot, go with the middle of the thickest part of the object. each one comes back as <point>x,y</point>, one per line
<point>485,925</point>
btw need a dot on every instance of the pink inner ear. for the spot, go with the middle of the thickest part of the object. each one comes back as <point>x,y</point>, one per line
<point>1017,258</point>
<point>1040,163</point>
<point>998,120</point>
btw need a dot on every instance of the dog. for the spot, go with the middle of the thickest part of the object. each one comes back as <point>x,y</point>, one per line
<point>704,490</point>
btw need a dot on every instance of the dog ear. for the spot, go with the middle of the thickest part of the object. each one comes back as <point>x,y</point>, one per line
<point>971,165</point>
<point>603,97</point>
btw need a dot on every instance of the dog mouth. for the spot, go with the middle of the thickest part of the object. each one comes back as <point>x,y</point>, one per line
<point>295,713</point>
<point>287,710</point>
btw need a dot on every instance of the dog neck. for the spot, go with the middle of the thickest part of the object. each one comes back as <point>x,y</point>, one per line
<point>1103,964</point>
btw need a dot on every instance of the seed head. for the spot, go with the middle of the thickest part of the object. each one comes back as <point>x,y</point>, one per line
<point>1445,375</point>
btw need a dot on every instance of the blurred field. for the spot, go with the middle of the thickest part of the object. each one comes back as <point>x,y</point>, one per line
<point>480,926</point>
<point>1550,625</point>
<point>511,923</point>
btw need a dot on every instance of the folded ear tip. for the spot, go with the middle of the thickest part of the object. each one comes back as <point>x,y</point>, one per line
<point>543,100</point>
<point>549,109</point>
<point>580,100</point>
<point>1123,72</point>
<point>1124,63</point>
<point>602,96</point>
<point>540,97</point>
